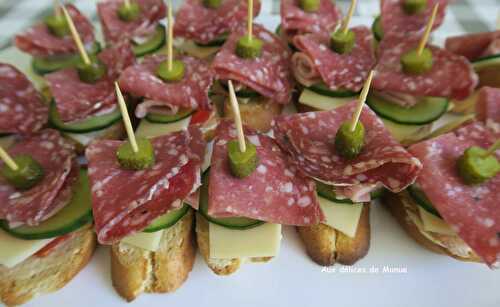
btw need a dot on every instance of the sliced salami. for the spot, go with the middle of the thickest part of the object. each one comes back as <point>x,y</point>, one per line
<point>191,92</point>
<point>22,109</point>
<point>474,46</point>
<point>451,75</point>
<point>396,22</point>
<point>57,157</point>
<point>39,41</point>
<point>275,192</point>
<point>339,71</point>
<point>125,201</point>
<point>77,100</point>
<point>295,21</point>
<point>488,108</point>
<point>309,139</point>
<point>270,74</point>
<point>471,210</point>
<point>196,22</point>
<point>116,30</point>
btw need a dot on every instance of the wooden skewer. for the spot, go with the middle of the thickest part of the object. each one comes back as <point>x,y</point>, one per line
<point>347,20</point>
<point>8,160</point>
<point>126,118</point>
<point>428,29</point>
<point>76,37</point>
<point>237,117</point>
<point>250,20</point>
<point>492,148</point>
<point>127,3</point>
<point>361,101</point>
<point>57,11</point>
<point>170,36</point>
<point>498,20</point>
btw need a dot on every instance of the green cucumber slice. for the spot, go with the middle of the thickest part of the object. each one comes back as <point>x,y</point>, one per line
<point>427,110</point>
<point>168,219</point>
<point>326,191</point>
<point>488,69</point>
<point>490,60</point>
<point>93,123</point>
<point>378,33</point>
<point>321,102</point>
<point>377,193</point>
<point>217,42</point>
<point>155,42</point>
<point>73,216</point>
<point>419,197</point>
<point>238,223</point>
<point>44,66</point>
<point>166,119</point>
<point>242,93</point>
<point>323,89</point>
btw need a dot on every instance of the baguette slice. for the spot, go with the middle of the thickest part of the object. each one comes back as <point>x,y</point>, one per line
<point>326,245</point>
<point>218,266</point>
<point>36,276</point>
<point>135,270</point>
<point>396,205</point>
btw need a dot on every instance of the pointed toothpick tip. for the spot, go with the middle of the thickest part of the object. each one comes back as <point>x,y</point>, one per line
<point>237,117</point>
<point>361,100</point>
<point>126,118</point>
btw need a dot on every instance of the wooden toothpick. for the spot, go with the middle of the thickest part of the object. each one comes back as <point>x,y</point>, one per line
<point>8,160</point>
<point>237,117</point>
<point>250,20</point>
<point>76,37</point>
<point>347,20</point>
<point>361,101</point>
<point>492,148</point>
<point>498,20</point>
<point>428,29</point>
<point>127,3</point>
<point>170,36</point>
<point>57,11</point>
<point>126,118</point>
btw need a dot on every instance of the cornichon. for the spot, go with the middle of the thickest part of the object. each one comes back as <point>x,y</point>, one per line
<point>242,163</point>
<point>349,143</point>
<point>142,159</point>
<point>476,166</point>
<point>27,175</point>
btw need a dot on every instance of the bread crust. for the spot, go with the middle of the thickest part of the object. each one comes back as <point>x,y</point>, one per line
<point>218,266</point>
<point>134,270</point>
<point>326,245</point>
<point>395,205</point>
<point>36,276</point>
<point>257,115</point>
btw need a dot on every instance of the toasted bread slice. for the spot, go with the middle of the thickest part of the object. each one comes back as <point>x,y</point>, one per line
<point>218,266</point>
<point>399,209</point>
<point>40,275</point>
<point>326,245</point>
<point>257,113</point>
<point>135,270</point>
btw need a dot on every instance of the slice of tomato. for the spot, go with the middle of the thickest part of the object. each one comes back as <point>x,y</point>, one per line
<point>200,117</point>
<point>47,249</point>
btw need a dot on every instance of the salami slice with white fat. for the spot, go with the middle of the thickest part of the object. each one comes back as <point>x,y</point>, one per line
<point>474,46</point>
<point>39,41</point>
<point>395,21</point>
<point>22,109</point>
<point>58,159</point>
<point>116,30</point>
<point>451,75</point>
<point>126,201</point>
<point>471,210</point>
<point>338,71</point>
<point>196,22</point>
<point>295,20</point>
<point>275,192</point>
<point>77,100</point>
<point>309,139</point>
<point>191,92</point>
<point>488,108</point>
<point>269,74</point>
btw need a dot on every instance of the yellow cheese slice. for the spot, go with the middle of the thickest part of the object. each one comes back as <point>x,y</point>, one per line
<point>407,134</point>
<point>260,241</point>
<point>343,217</point>
<point>432,223</point>
<point>151,130</point>
<point>321,102</point>
<point>148,241</point>
<point>14,251</point>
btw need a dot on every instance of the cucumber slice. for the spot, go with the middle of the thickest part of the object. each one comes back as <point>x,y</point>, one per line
<point>151,130</point>
<point>93,123</point>
<point>326,191</point>
<point>278,30</point>
<point>168,219</point>
<point>378,33</point>
<point>44,66</point>
<point>238,223</point>
<point>242,93</point>
<point>487,61</point>
<point>155,42</point>
<point>377,193</point>
<point>408,134</point>
<point>73,216</point>
<point>323,89</point>
<point>321,102</point>
<point>217,42</point>
<point>427,110</point>
<point>166,119</point>
<point>488,69</point>
<point>419,197</point>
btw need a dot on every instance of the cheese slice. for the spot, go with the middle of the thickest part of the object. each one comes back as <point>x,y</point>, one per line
<point>407,133</point>
<point>321,102</point>
<point>191,48</point>
<point>260,241</point>
<point>151,130</point>
<point>85,138</point>
<point>432,223</point>
<point>145,240</point>
<point>343,217</point>
<point>14,250</point>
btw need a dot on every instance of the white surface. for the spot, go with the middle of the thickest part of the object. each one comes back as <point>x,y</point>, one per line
<point>292,279</point>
